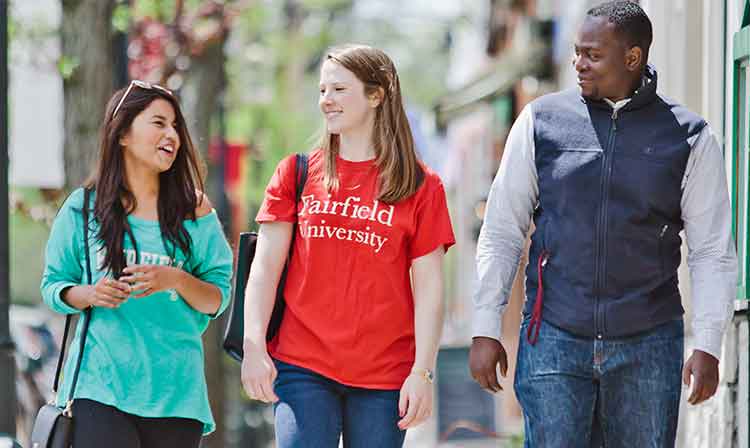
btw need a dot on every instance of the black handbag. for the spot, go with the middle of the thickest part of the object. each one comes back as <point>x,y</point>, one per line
<point>234,334</point>
<point>53,426</point>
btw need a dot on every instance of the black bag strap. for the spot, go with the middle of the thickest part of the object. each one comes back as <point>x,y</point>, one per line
<point>300,180</point>
<point>86,313</point>
<point>62,354</point>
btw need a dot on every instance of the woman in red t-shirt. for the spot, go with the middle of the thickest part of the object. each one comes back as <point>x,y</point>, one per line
<point>358,342</point>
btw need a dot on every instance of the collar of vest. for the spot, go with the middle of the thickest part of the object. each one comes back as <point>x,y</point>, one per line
<point>643,96</point>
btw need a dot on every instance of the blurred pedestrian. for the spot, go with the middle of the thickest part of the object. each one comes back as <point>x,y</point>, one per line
<point>357,346</point>
<point>161,270</point>
<point>610,172</point>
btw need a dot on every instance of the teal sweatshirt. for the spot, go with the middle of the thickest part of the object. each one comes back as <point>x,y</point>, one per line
<point>145,357</point>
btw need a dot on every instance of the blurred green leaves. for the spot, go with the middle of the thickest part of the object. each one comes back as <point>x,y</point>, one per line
<point>67,65</point>
<point>121,17</point>
<point>161,10</point>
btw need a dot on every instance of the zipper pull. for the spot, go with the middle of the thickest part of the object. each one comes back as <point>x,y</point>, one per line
<point>614,119</point>
<point>545,257</point>
<point>663,230</point>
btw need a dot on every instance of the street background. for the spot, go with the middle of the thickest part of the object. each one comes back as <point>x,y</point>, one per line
<point>246,72</point>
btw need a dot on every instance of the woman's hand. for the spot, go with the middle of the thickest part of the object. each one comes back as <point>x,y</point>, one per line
<point>415,401</point>
<point>149,278</point>
<point>107,293</point>
<point>258,374</point>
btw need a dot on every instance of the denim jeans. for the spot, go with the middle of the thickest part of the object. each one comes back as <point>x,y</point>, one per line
<point>579,392</point>
<point>314,412</point>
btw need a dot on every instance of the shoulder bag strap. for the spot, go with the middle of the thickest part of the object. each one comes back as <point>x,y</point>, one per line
<point>60,358</point>
<point>86,313</point>
<point>300,180</point>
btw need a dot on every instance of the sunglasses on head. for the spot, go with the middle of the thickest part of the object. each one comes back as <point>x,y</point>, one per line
<point>143,85</point>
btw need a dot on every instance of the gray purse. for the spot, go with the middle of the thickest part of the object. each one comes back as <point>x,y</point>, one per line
<point>53,426</point>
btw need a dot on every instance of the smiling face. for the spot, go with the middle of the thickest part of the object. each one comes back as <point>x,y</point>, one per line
<point>606,67</point>
<point>343,102</point>
<point>152,142</point>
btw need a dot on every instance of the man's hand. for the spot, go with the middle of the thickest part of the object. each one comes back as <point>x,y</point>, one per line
<point>484,357</point>
<point>704,369</point>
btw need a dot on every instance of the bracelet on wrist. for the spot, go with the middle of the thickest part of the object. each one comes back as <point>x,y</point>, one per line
<point>425,374</point>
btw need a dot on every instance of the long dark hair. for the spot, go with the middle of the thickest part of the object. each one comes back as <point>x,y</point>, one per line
<point>114,200</point>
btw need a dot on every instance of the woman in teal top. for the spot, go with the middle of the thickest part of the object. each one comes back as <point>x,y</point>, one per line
<point>161,270</point>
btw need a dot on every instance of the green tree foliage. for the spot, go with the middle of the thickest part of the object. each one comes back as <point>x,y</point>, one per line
<point>273,59</point>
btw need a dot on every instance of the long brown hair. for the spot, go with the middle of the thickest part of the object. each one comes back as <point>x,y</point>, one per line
<point>115,201</point>
<point>400,172</point>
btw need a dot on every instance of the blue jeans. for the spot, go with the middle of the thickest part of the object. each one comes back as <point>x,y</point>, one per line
<point>579,392</point>
<point>314,412</point>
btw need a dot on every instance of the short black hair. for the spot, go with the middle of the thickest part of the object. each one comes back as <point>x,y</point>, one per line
<point>630,21</point>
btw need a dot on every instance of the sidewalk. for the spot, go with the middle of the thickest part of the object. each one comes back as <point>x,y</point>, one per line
<point>425,436</point>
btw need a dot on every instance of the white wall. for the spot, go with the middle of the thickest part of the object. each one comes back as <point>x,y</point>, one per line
<point>713,84</point>
<point>36,96</point>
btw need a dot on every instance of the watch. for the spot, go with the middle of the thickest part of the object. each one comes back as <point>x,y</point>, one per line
<point>427,374</point>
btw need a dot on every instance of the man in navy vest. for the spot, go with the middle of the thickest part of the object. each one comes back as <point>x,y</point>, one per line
<point>610,172</point>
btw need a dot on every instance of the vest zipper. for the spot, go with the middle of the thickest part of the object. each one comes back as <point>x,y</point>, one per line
<point>601,241</point>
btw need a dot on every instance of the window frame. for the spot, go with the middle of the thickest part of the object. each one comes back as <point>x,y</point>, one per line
<point>741,150</point>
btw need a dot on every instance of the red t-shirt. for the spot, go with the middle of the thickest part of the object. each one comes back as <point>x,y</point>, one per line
<point>350,309</point>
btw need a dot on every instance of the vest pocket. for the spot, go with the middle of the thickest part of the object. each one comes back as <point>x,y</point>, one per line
<point>662,235</point>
